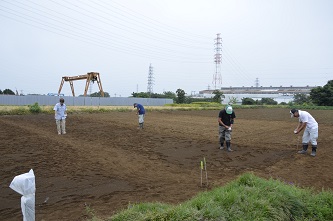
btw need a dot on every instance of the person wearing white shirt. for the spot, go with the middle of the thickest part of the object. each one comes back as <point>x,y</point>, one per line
<point>60,115</point>
<point>307,122</point>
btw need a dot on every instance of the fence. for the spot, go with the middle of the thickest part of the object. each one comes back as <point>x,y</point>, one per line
<point>81,101</point>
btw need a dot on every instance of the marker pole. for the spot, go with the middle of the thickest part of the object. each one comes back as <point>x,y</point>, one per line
<point>201,168</point>
<point>206,171</point>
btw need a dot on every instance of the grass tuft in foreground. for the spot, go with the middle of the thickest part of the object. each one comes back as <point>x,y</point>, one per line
<point>247,198</point>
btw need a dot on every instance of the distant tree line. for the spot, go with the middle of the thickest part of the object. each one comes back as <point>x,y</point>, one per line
<point>320,96</point>
<point>263,101</point>
<point>98,94</point>
<point>180,96</point>
<point>7,92</point>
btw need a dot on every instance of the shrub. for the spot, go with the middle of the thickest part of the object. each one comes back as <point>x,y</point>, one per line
<point>35,108</point>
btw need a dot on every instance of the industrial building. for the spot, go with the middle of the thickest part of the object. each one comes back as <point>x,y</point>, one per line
<point>279,94</point>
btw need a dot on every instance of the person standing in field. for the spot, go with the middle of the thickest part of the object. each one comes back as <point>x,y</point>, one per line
<point>307,122</point>
<point>141,114</point>
<point>60,115</point>
<point>226,120</point>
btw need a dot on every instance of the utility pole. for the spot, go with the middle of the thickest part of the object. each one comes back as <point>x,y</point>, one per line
<point>217,78</point>
<point>150,80</point>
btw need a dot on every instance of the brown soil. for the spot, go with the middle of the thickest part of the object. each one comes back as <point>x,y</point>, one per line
<point>106,163</point>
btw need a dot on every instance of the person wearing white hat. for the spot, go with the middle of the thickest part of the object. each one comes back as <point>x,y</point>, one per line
<point>307,122</point>
<point>226,120</point>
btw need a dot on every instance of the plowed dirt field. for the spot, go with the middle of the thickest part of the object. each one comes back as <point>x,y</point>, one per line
<point>106,163</point>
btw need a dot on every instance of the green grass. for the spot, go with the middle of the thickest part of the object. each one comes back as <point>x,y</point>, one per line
<point>36,109</point>
<point>247,198</point>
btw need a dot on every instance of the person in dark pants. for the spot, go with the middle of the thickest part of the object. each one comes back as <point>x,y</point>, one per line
<point>310,126</point>
<point>141,114</point>
<point>226,120</point>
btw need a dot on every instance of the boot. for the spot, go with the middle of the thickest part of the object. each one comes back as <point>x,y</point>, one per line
<point>221,143</point>
<point>228,146</point>
<point>305,148</point>
<point>314,150</point>
<point>221,147</point>
<point>63,126</point>
<point>58,126</point>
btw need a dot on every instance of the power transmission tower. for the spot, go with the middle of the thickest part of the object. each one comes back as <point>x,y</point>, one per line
<point>257,82</point>
<point>217,78</point>
<point>150,80</point>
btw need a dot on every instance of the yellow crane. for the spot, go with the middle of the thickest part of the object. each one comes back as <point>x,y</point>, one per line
<point>90,77</point>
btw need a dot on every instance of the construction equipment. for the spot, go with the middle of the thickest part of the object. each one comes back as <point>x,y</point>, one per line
<point>90,77</point>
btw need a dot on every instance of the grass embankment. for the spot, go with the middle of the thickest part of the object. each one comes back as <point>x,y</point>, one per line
<point>35,108</point>
<point>247,198</point>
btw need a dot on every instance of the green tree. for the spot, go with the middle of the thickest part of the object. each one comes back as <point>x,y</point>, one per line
<point>248,101</point>
<point>323,96</point>
<point>180,96</point>
<point>1,92</point>
<point>301,99</point>
<point>141,94</point>
<point>218,95</point>
<point>169,94</point>
<point>268,101</point>
<point>8,92</point>
<point>98,94</point>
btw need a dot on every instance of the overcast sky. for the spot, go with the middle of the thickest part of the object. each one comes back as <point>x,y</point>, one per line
<point>280,42</point>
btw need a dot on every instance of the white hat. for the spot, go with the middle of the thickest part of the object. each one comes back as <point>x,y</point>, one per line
<point>228,109</point>
<point>292,111</point>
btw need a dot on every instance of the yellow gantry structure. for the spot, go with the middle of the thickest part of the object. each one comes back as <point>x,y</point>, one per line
<point>89,77</point>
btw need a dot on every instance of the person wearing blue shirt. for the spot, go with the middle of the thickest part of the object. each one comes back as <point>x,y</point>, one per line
<point>141,114</point>
<point>60,115</point>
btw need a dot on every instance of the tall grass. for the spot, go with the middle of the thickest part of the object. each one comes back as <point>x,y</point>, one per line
<point>36,109</point>
<point>247,198</point>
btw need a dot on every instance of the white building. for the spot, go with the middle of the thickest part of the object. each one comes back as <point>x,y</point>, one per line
<point>279,94</point>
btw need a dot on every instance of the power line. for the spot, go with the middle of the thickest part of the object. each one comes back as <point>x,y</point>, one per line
<point>123,27</point>
<point>158,24</point>
<point>75,28</point>
<point>83,36</point>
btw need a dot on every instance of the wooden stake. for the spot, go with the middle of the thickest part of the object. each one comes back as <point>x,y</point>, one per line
<point>201,168</point>
<point>206,171</point>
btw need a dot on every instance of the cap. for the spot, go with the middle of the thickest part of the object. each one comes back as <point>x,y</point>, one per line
<point>228,109</point>
<point>292,111</point>
<point>134,104</point>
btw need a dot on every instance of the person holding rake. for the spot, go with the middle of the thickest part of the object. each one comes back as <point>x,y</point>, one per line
<point>141,114</point>
<point>310,126</point>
